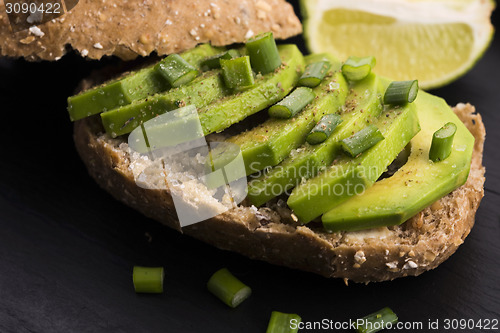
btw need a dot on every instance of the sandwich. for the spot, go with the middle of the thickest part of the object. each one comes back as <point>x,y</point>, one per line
<point>306,114</point>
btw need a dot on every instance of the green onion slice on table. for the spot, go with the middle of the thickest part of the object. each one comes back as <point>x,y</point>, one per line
<point>228,288</point>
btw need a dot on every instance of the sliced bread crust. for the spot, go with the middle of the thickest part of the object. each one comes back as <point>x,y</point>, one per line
<point>139,27</point>
<point>418,245</point>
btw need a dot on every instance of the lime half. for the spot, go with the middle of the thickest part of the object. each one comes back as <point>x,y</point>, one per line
<point>430,40</point>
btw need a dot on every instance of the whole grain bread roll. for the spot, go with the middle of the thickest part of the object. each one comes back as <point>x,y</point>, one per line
<point>269,234</point>
<point>128,28</point>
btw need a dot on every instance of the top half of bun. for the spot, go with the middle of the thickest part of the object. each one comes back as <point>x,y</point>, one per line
<point>128,28</point>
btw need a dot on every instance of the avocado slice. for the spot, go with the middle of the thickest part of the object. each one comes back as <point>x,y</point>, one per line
<point>270,142</point>
<point>206,89</point>
<point>348,176</point>
<point>363,103</point>
<point>136,86</point>
<point>202,91</point>
<point>418,183</point>
<point>268,89</point>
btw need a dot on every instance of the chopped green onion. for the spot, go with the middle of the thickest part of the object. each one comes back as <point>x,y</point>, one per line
<point>323,129</point>
<point>442,142</point>
<point>148,279</point>
<point>401,92</point>
<point>228,288</point>
<point>292,104</point>
<point>237,73</point>
<point>176,70</point>
<point>263,52</point>
<point>213,62</point>
<point>376,321</point>
<point>362,140</point>
<point>283,323</point>
<point>356,68</point>
<point>314,73</point>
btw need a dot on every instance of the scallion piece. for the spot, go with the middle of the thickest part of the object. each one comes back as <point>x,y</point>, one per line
<point>148,279</point>
<point>292,104</point>
<point>213,62</point>
<point>376,321</point>
<point>323,129</point>
<point>283,323</point>
<point>228,288</point>
<point>314,73</point>
<point>442,142</point>
<point>356,68</point>
<point>237,73</point>
<point>401,92</point>
<point>362,140</point>
<point>176,70</point>
<point>263,52</point>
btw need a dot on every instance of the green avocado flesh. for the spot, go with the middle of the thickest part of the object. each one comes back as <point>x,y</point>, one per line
<point>268,89</point>
<point>349,176</point>
<point>217,107</point>
<point>362,105</point>
<point>135,86</point>
<point>418,183</point>
<point>321,179</point>
<point>205,89</point>
<point>270,142</point>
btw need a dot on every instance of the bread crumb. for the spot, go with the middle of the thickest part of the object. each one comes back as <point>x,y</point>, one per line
<point>291,20</point>
<point>392,264</point>
<point>359,257</point>
<point>84,52</point>
<point>249,34</point>
<point>410,264</point>
<point>36,31</point>
<point>262,5</point>
<point>261,15</point>
<point>27,40</point>
<point>429,256</point>
<point>437,205</point>
<point>145,39</point>
<point>98,46</point>
<point>418,220</point>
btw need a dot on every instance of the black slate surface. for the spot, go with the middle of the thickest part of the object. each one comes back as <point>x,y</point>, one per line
<point>67,248</point>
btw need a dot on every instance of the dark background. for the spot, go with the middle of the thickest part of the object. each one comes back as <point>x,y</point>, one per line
<point>67,248</point>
